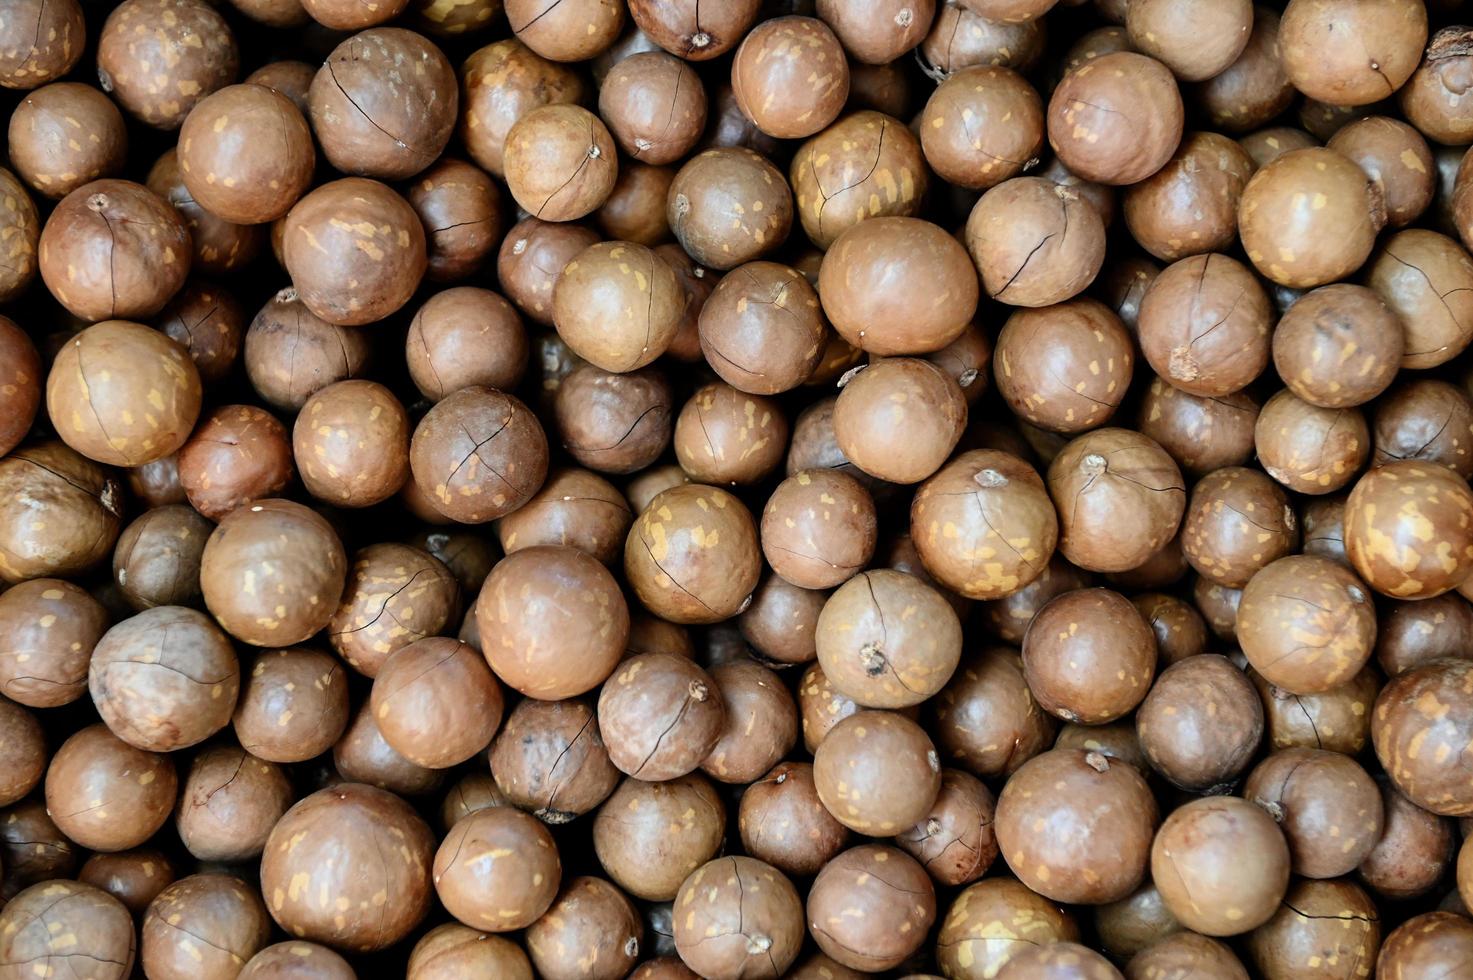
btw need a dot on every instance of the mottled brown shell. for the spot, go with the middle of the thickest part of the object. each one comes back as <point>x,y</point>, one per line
<point>895,901</point>
<point>1409,529</point>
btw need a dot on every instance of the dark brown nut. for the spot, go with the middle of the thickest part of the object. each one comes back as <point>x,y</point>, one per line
<point>1420,706</point>
<point>1396,157</point>
<point>955,842</point>
<point>635,209</point>
<point>468,556</point>
<point>50,628</point>
<point>1190,205</point>
<point>1416,632</point>
<point>1430,97</point>
<point>1019,236</point>
<point>1238,520</point>
<point>107,795</point>
<point>1408,530</point>
<point>790,76</point>
<point>877,772</point>
<point>1064,368</point>
<point>1426,944</point>
<point>500,83</point>
<point>78,502</point>
<point>158,558</point>
<point>966,359</point>
<point>358,844</point>
<point>508,892</point>
<point>982,126</point>
<point>478,454</point>
<point>713,207</point>
<point>650,836</point>
<point>246,154</point>
<point>814,445</point>
<point>209,324</point>
<point>476,791</point>
<point>1205,325</point>
<point>1141,921</point>
<point>1221,865</point>
<point>23,752</point>
<point>781,621</point>
<point>1089,656</point>
<point>1004,535</point>
<point>692,556</point>
<point>351,442</point>
<point>618,305</point>
<point>1084,862</point>
<point>1415,848</point>
<point>351,15</point>
<point>229,803</point>
<point>218,246</point>
<point>1295,243</point>
<point>132,877</point>
<point>1338,346</point>
<point>574,508</point>
<point>1307,624</point>
<point>461,209</point>
<point>654,105</point>
<point>865,165</point>
<point>1428,420</point>
<point>821,706</point>
<point>1219,607</point>
<point>64,135</point>
<point>237,455</point>
<point>591,932</point>
<point>465,336</point>
<point>1059,961</point>
<point>1254,89</point>
<point>1201,723</point>
<point>682,29</point>
<point>42,41</point>
<point>1267,145</point>
<point>164,679</point>
<point>1338,720</point>
<point>307,961</point>
<point>274,13</point>
<point>436,703</point>
<point>1120,497</point>
<point>1196,40</point>
<point>614,422</point>
<point>355,251</point>
<point>892,661</point>
<point>819,528</point>
<point>1011,11</point>
<point>550,759</point>
<point>263,556</point>
<point>762,329</point>
<point>861,286</point>
<point>961,38</point>
<point>21,227</point>
<point>363,756</point>
<point>1202,433</point>
<point>1099,196</point>
<point>783,822</point>
<point>1427,280</point>
<point>1164,568</point>
<point>452,950</point>
<point>1328,808</point>
<point>123,394</point>
<point>291,78</point>
<point>761,723</point>
<point>660,716</point>
<point>98,926</point>
<point>1328,920</point>
<point>560,162</point>
<point>1094,44</point>
<point>1085,118</point>
<point>894,895</point>
<point>290,352</point>
<point>370,126</point>
<point>749,916</point>
<point>571,32</point>
<point>1008,617</point>
<point>1309,449</point>
<point>1387,38</point>
<point>900,418</point>
<point>878,34</point>
<point>142,271</point>
<point>524,647</point>
<point>159,58</point>
<point>994,920</point>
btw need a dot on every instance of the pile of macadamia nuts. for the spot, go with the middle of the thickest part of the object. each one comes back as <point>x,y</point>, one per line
<point>788,489</point>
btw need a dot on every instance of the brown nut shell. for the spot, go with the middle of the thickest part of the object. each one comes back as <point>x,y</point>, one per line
<point>897,898</point>
<point>50,629</point>
<point>877,772</point>
<point>1388,519</point>
<point>478,454</point>
<point>1064,368</point>
<point>899,419</point>
<point>1306,623</point>
<point>246,154</point>
<point>550,759</point>
<point>1201,723</point>
<point>560,162</point>
<point>649,836</point>
<point>99,925</point>
<point>68,493</point>
<point>1221,865</point>
<point>1327,806</point>
<point>228,804</point>
<point>159,58</point>
<point>1387,37</point>
<point>683,700</point>
<point>692,556</point>
<point>1238,520</point>
<point>1205,325</point>
<point>107,795</point>
<point>1421,706</point>
<point>617,305</point>
<point>1089,656</point>
<point>867,164</point>
<point>1116,120</point>
<point>790,76</point>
